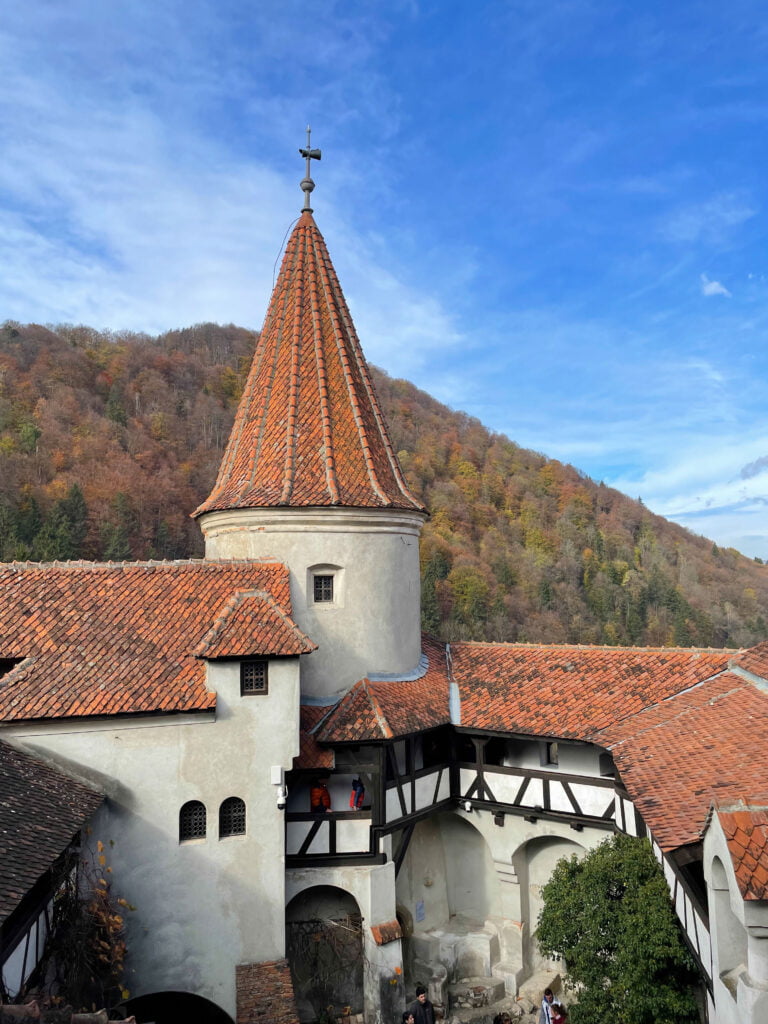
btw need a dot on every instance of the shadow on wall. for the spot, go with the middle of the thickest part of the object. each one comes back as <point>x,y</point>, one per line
<point>175,1008</point>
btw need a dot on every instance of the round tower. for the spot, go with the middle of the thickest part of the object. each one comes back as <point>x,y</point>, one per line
<point>310,478</point>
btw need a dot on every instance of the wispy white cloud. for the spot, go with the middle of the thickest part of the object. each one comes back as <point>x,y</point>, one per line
<point>711,221</point>
<point>709,287</point>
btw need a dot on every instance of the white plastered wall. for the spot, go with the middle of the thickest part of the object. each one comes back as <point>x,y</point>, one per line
<point>487,882</point>
<point>205,905</point>
<point>373,624</point>
<point>739,937</point>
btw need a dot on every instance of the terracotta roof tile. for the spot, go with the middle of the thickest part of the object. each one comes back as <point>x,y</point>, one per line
<point>687,752</point>
<point>746,832</point>
<point>41,810</point>
<point>374,710</point>
<point>265,993</point>
<point>755,660</point>
<point>569,691</point>
<point>252,623</point>
<point>311,754</point>
<point>309,430</point>
<point>104,639</point>
<point>386,932</point>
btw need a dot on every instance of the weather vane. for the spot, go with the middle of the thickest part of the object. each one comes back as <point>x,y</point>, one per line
<point>307,184</point>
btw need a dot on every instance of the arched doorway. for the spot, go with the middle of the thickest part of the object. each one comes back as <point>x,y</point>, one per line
<point>448,893</point>
<point>175,1008</point>
<point>324,945</point>
<point>534,863</point>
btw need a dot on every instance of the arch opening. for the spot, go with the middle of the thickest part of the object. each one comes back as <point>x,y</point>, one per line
<point>324,946</point>
<point>175,1008</point>
<point>534,863</point>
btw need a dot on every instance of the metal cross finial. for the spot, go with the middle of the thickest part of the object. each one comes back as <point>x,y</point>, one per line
<point>307,185</point>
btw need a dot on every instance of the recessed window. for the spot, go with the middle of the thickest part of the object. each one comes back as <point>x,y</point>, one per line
<point>253,678</point>
<point>323,589</point>
<point>549,754</point>
<point>192,821</point>
<point>232,817</point>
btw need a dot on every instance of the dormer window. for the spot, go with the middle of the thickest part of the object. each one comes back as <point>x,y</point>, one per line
<point>323,589</point>
<point>253,678</point>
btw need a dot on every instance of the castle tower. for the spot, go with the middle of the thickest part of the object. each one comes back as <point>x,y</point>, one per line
<point>309,477</point>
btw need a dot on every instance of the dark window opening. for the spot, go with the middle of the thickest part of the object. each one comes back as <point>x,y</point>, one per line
<point>253,677</point>
<point>323,589</point>
<point>549,754</point>
<point>606,765</point>
<point>495,751</point>
<point>192,821</point>
<point>232,817</point>
<point>465,749</point>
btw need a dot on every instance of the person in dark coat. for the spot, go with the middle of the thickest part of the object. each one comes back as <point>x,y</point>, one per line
<point>423,1011</point>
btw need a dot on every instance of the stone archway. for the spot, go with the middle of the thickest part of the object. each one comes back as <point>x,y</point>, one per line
<point>175,1008</point>
<point>448,890</point>
<point>534,863</point>
<point>325,950</point>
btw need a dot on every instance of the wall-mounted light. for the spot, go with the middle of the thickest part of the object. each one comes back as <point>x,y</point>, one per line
<point>468,806</point>
<point>498,819</point>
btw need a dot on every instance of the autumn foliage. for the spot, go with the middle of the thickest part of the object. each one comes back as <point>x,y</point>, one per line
<point>109,440</point>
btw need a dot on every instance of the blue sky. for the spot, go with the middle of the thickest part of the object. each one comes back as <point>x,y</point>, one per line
<point>551,215</point>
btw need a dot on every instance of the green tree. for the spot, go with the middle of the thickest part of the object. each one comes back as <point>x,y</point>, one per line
<point>609,916</point>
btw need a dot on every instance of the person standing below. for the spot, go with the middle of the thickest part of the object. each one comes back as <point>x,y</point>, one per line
<point>546,1016</point>
<point>423,1011</point>
<point>408,1017</point>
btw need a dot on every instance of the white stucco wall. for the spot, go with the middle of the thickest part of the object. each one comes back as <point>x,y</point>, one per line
<point>373,625</point>
<point>205,905</point>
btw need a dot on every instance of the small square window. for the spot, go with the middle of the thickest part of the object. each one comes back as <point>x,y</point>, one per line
<point>323,589</point>
<point>253,678</point>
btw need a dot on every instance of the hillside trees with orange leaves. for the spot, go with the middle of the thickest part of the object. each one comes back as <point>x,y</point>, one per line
<point>109,440</point>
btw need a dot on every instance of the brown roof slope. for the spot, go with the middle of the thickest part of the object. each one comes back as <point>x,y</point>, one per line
<point>754,660</point>
<point>383,709</point>
<point>569,691</point>
<point>746,832</point>
<point>252,623</point>
<point>100,639</point>
<point>309,430</point>
<point>41,809</point>
<point>686,753</point>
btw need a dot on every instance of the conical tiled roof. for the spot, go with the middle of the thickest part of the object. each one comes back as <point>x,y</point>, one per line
<point>309,430</point>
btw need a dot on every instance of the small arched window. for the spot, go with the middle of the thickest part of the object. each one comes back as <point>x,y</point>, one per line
<point>192,821</point>
<point>232,817</point>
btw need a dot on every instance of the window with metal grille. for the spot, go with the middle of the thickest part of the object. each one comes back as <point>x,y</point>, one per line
<point>192,821</point>
<point>253,677</point>
<point>232,817</point>
<point>323,589</point>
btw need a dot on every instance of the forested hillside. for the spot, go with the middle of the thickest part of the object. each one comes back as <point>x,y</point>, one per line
<point>109,441</point>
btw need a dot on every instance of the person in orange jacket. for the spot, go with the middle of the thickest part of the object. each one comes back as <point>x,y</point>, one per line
<point>319,797</point>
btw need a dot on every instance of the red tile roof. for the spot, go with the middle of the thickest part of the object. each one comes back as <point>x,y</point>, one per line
<point>41,810</point>
<point>309,430</point>
<point>386,932</point>
<point>100,639</point>
<point>311,754</point>
<point>746,832</point>
<point>687,752</point>
<point>755,660</point>
<point>251,623</point>
<point>565,691</point>
<point>376,710</point>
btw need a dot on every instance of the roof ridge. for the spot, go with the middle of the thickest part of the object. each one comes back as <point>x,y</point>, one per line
<point>151,563</point>
<point>529,645</point>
